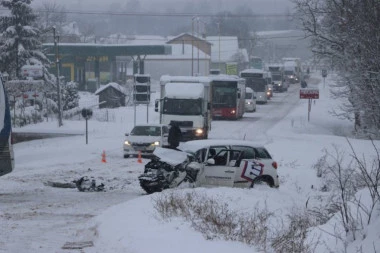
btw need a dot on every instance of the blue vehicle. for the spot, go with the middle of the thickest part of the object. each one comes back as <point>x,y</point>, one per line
<point>6,149</point>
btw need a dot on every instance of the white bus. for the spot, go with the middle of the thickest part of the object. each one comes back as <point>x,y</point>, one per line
<point>6,149</point>
<point>256,80</point>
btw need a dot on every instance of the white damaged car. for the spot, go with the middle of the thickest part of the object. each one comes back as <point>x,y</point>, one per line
<point>208,163</point>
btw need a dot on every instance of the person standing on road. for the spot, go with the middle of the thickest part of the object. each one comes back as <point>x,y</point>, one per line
<point>175,135</point>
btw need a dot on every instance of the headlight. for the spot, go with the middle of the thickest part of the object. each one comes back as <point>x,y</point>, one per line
<point>248,103</point>
<point>127,143</point>
<point>156,143</point>
<point>199,131</point>
<point>233,111</point>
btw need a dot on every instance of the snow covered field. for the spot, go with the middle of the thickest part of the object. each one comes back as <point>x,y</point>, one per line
<point>36,217</point>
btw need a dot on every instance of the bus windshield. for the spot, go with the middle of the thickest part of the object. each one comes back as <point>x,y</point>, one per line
<point>256,84</point>
<point>223,96</point>
<point>182,106</point>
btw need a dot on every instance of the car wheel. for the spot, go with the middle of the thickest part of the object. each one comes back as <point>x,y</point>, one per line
<point>263,180</point>
<point>126,156</point>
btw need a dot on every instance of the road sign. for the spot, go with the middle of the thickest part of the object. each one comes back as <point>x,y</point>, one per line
<point>34,71</point>
<point>324,72</point>
<point>309,93</point>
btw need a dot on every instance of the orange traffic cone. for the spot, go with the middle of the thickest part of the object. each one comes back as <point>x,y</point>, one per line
<point>139,160</point>
<point>104,157</point>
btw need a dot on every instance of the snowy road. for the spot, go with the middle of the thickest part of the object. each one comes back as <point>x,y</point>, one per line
<point>31,212</point>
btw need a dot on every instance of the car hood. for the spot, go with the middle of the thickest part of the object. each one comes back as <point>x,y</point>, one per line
<point>170,156</point>
<point>143,139</point>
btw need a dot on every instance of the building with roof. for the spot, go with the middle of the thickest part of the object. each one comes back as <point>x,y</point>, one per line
<point>111,95</point>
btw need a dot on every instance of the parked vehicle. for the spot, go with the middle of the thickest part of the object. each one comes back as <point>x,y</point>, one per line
<point>6,148</point>
<point>144,139</point>
<point>186,102</point>
<point>250,100</point>
<point>210,163</point>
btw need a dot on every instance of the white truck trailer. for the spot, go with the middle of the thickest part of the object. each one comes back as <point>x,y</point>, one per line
<point>185,101</point>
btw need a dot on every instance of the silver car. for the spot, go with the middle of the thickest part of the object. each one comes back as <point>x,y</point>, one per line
<point>144,139</point>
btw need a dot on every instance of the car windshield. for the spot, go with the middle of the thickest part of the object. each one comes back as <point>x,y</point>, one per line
<point>248,95</point>
<point>146,131</point>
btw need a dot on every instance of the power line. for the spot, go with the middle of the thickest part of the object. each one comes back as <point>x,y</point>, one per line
<point>156,14</point>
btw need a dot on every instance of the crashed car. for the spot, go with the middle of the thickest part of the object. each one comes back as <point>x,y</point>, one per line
<point>207,163</point>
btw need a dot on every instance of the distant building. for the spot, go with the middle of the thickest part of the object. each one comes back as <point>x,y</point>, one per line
<point>111,95</point>
<point>226,54</point>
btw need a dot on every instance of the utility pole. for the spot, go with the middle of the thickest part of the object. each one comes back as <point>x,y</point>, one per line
<point>219,43</point>
<point>56,38</point>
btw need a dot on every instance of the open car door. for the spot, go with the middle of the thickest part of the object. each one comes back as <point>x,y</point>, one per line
<point>220,169</point>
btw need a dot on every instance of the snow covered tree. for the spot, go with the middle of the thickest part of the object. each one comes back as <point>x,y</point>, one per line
<point>346,32</point>
<point>70,96</point>
<point>20,40</point>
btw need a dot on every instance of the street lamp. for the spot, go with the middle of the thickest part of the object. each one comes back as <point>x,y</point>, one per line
<point>56,40</point>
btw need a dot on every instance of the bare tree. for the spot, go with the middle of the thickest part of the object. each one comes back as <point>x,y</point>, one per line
<point>346,32</point>
<point>52,14</point>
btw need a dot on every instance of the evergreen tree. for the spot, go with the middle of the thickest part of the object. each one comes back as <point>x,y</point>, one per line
<point>70,96</point>
<point>20,40</point>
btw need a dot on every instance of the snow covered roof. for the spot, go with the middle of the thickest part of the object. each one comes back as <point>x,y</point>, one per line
<point>188,34</point>
<point>119,38</point>
<point>258,71</point>
<point>198,79</point>
<point>184,90</point>
<point>113,85</point>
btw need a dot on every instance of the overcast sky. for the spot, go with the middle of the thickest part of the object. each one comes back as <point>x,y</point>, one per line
<point>258,6</point>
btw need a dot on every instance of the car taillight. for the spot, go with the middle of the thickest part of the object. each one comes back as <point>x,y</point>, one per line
<point>274,164</point>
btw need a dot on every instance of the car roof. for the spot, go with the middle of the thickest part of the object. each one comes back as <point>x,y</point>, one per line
<point>198,144</point>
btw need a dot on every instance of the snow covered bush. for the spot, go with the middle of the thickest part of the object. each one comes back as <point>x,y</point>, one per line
<point>214,219</point>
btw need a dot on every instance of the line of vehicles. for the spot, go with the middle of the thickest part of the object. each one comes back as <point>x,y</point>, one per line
<point>192,102</point>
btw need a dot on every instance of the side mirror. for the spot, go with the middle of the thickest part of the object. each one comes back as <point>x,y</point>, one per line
<point>211,161</point>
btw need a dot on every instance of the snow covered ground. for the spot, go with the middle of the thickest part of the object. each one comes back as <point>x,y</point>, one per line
<point>36,217</point>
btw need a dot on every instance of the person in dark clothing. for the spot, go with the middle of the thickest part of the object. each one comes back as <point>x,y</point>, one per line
<point>175,135</point>
<point>303,84</point>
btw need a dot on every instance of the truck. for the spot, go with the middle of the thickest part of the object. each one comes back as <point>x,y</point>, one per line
<point>278,82</point>
<point>185,101</point>
<point>292,69</point>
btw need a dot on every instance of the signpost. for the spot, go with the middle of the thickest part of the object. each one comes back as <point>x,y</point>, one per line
<point>324,74</point>
<point>309,93</point>
<point>141,93</point>
<point>86,113</point>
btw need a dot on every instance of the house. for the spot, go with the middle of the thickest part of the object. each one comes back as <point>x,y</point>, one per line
<point>190,56</point>
<point>111,95</point>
